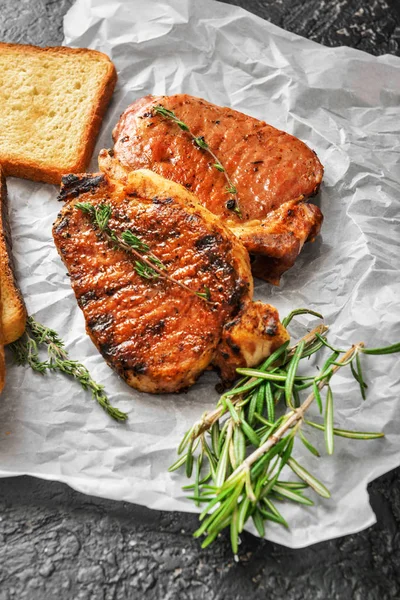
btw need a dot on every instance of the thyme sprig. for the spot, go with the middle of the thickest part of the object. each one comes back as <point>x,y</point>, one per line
<point>200,142</point>
<point>147,265</point>
<point>241,448</point>
<point>37,337</point>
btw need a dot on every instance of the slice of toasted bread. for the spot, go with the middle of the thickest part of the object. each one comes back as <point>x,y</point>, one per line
<point>13,312</point>
<point>52,104</point>
<point>2,358</point>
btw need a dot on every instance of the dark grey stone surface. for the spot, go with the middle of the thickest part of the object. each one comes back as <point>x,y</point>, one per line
<point>56,543</point>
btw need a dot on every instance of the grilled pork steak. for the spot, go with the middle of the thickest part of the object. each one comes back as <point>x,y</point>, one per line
<point>158,336</point>
<point>272,171</point>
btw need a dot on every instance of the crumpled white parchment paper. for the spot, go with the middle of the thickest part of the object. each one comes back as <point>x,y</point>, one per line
<point>345,105</point>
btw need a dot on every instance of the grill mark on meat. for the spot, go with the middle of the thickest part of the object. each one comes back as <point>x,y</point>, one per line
<point>207,241</point>
<point>101,322</point>
<point>74,186</point>
<point>157,200</point>
<point>288,169</point>
<point>139,368</point>
<point>156,335</point>
<point>87,297</point>
<point>157,328</point>
<point>107,350</point>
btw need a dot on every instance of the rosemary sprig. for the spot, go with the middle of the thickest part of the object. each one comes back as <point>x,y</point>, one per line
<point>245,443</point>
<point>200,142</point>
<point>147,265</point>
<point>26,352</point>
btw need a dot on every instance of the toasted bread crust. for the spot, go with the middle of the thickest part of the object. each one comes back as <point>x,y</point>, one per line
<point>2,357</point>
<point>13,312</point>
<point>28,169</point>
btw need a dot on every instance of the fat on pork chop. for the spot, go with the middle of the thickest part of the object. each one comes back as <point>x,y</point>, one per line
<point>157,332</point>
<point>273,172</point>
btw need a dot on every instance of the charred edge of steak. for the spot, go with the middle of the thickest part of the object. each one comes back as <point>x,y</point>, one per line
<point>73,186</point>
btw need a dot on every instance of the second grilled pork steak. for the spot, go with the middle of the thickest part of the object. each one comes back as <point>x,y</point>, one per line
<point>158,336</point>
<point>273,172</point>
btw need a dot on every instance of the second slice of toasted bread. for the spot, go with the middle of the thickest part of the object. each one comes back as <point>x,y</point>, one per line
<point>2,357</point>
<point>52,104</point>
<point>12,307</point>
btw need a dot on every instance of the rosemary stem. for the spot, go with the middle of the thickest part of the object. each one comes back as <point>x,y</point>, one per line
<point>210,418</point>
<point>293,416</point>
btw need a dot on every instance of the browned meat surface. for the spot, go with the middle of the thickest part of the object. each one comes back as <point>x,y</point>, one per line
<point>272,171</point>
<point>158,336</point>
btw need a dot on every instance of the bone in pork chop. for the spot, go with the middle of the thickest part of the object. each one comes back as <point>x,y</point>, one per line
<point>158,336</point>
<point>273,172</point>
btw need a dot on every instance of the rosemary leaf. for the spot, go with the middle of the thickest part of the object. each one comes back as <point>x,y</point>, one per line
<point>309,445</point>
<point>243,513</point>
<point>272,509</point>
<point>239,444</point>
<point>271,360</point>
<point>199,461</point>
<point>250,433</point>
<point>317,396</point>
<point>354,435</point>
<point>215,437</point>
<point>384,350</point>
<point>292,373</point>
<point>262,419</point>
<point>324,341</point>
<point>185,440</point>
<point>329,421</point>
<point>269,516</point>
<point>301,472</point>
<point>181,461</point>
<point>270,402</point>
<point>189,460</point>
<point>234,531</point>
<point>293,485</point>
<point>223,460</point>
<point>360,377</point>
<point>292,495</point>
<point>260,399</point>
<point>209,539</point>
<point>211,459</point>
<point>259,522</point>
<point>259,374</point>
<point>252,407</point>
<point>233,412</point>
<point>300,311</point>
<point>240,390</point>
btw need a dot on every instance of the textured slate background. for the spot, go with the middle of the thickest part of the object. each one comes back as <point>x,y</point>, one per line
<point>55,542</point>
